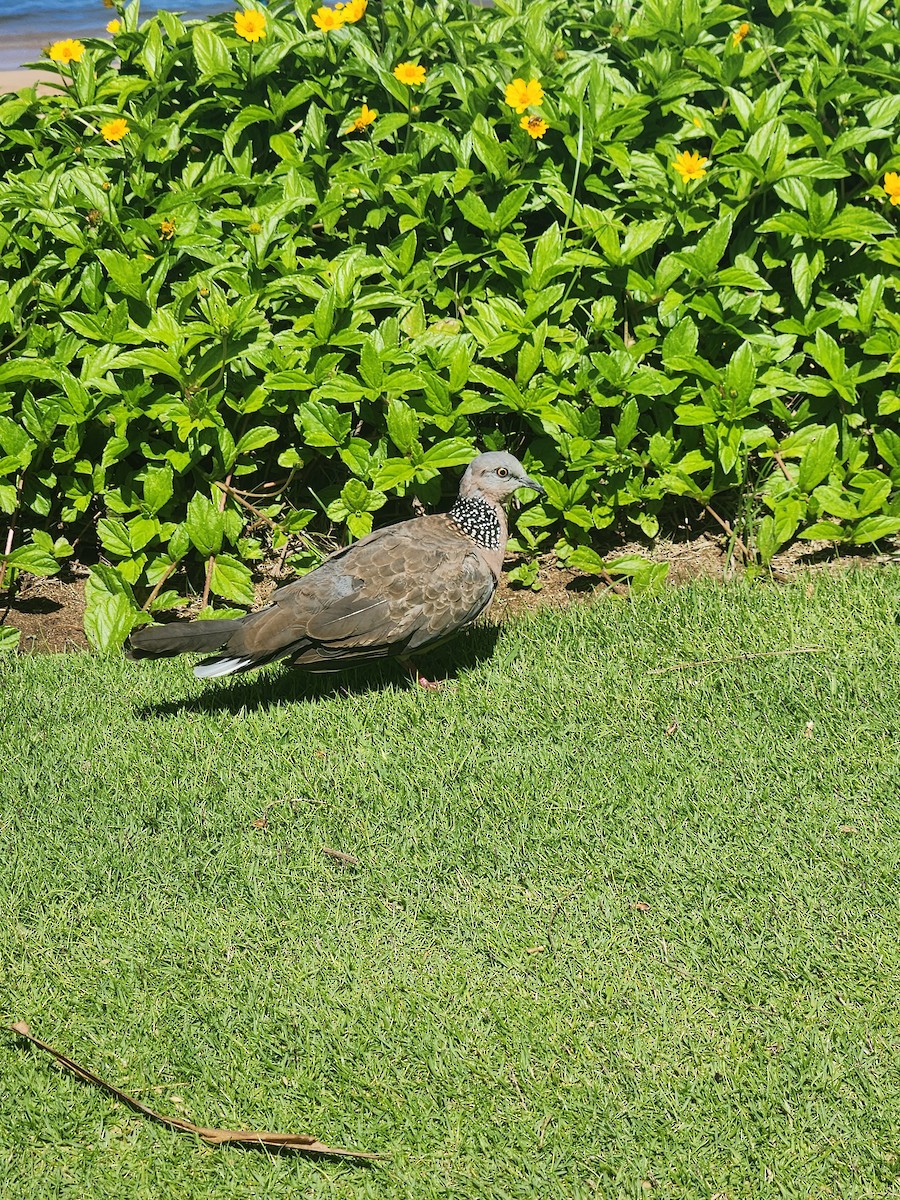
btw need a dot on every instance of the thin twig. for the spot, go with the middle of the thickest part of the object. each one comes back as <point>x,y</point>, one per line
<point>780,461</point>
<point>771,63</point>
<point>349,860</point>
<point>158,588</point>
<point>514,1081</point>
<point>212,1136</point>
<point>229,491</point>
<point>281,560</point>
<point>728,530</point>
<point>619,588</point>
<point>558,905</point>
<point>714,662</point>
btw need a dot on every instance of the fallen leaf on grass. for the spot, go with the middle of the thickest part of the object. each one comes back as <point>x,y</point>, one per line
<point>641,906</point>
<point>848,829</point>
<point>671,729</point>
<point>215,1137</point>
<point>349,860</point>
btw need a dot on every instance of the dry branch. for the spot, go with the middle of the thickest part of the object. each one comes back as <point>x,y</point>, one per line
<point>215,1137</point>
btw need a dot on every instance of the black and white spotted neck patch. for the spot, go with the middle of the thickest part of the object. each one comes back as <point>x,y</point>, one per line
<point>477,520</point>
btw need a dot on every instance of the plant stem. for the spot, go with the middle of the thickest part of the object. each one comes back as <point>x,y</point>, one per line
<point>158,588</point>
<point>408,119</point>
<point>11,532</point>
<point>571,213</point>
<point>212,558</point>
<point>229,491</point>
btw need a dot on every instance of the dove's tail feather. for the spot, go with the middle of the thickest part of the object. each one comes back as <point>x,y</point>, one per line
<point>234,664</point>
<point>180,637</point>
<point>214,668</point>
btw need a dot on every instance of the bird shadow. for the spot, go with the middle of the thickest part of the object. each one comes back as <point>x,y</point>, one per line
<point>276,687</point>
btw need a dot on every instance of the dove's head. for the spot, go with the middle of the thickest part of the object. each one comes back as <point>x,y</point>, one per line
<point>495,476</point>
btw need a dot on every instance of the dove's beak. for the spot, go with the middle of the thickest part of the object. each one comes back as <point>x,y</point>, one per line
<point>534,485</point>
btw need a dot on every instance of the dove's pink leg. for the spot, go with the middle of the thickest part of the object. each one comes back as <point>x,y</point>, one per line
<point>430,685</point>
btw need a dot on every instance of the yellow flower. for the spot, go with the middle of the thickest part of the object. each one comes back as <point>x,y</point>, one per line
<point>115,130</point>
<point>254,227</point>
<point>70,50</point>
<point>698,123</point>
<point>892,186</point>
<point>740,33</point>
<point>328,19</point>
<point>167,230</point>
<point>520,94</point>
<point>409,73</point>
<point>113,27</point>
<point>366,117</point>
<point>250,25</point>
<point>354,11</point>
<point>536,126</point>
<point>690,165</point>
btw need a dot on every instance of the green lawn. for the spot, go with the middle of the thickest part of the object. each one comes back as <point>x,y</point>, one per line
<point>481,999</point>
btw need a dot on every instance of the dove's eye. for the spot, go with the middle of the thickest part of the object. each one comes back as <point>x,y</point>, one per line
<point>502,472</point>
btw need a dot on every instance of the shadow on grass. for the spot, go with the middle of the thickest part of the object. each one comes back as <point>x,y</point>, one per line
<point>276,686</point>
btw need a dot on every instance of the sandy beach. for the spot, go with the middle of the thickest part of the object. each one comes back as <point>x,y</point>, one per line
<point>14,78</point>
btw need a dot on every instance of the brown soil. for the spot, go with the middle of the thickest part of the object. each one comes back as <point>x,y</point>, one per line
<point>49,612</point>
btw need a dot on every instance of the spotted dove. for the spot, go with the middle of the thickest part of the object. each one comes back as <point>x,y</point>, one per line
<point>396,593</point>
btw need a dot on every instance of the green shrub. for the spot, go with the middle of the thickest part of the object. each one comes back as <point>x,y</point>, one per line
<point>246,323</point>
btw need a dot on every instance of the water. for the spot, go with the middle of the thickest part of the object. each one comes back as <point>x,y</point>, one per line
<point>28,25</point>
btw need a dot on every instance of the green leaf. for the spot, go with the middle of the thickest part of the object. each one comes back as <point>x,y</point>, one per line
<point>395,472</point>
<point>872,529</point>
<point>162,361</point>
<point>323,425</point>
<point>212,55</point>
<point>680,341</point>
<point>855,224</point>
<point>205,524</point>
<point>33,559</point>
<point>766,542</point>
<point>487,147</point>
<point>402,425</point>
<point>824,530</point>
<point>640,237</point>
<point>804,272</point>
<point>705,257</point>
<point>476,212</point>
<point>9,639</point>
<point>231,580</point>
<point>834,502</point>
<point>114,537</point>
<point>255,439</point>
<point>787,222</point>
<point>323,315</point>
<point>14,441</point>
<point>740,377</point>
<point>111,610</point>
<point>452,452</point>
<point>627,426</point>
<point>509,207</point>
<point>583,558</point>
<point>158,487</point>
<point>370,365</point>
<point>830,355</point>
<point>124,272</point>
<point>818,459</point>
<point>359,499</point>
